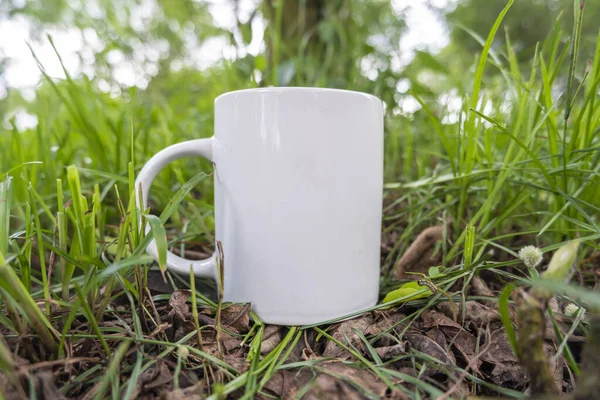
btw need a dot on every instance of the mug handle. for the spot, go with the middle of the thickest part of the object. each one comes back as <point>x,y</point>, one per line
<point>190,148</point>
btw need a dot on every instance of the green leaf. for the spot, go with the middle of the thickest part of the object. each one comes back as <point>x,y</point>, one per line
<point>75,188</point>
<point>434,271</point>
<point>469,246</point>
<point>407,290</point>
<point>5,197</point>
<point>160,235</point>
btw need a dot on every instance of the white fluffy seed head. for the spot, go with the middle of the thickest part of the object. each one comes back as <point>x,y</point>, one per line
<point>183,352</point>
<point>531,256</point>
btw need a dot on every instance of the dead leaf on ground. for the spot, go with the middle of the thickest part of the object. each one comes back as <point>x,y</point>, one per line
<point>389,352</point>
<point>285,384</point>
<point>421,254</point>
<point>465,343</point>
<point>509,375</point>
<point>475,312</point>
<point>237,316</point>
<point>178,304</point>
<point>237,361</point>
<point>455,334</point>
<point>304,347</point>
<point>271,338</point>
<point>345,334</point>
<point>328,387</point>
<point>384,321</point>
<point>229,342</point>
<point>438,336</point>
<point>435,319</point>
<point>162,375</point>
<point>189,393</point>
<point>499,349</point>
<point>478,287</point>
<point>341,381</point>
<point>506,369</point>
<point>426,345</point>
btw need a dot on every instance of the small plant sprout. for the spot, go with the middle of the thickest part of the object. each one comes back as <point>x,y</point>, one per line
<point>531,256</point>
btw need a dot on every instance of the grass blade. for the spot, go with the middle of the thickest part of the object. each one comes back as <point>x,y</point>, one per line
<point>160,237</point>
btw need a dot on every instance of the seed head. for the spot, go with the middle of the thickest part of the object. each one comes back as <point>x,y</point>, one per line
<point>531,256</point>
<point>571,309</point>
<point>183,352</point>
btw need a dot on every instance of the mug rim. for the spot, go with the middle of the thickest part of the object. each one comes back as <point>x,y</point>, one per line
<point>276,89</point>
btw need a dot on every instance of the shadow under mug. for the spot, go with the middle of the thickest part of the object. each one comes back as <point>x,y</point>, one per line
<point>298,200</point>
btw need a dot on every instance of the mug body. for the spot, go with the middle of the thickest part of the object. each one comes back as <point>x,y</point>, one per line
<point>298,201</point>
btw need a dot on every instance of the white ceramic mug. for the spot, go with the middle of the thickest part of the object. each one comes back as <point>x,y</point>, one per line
<point>298,200</point>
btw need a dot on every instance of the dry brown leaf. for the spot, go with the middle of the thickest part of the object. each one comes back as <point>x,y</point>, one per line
<point>455,334</point>
<point>439,337</point>
<point>333,382</point>
<point>479,288</point>
<point>475,312</point>
<point>430,347</point>
<point>421,254</point>
<point>179,307</point>
<point>303,347</point>
<point>328,387</point>
<point>344,334</point>
<point>162,377</point>
<point>509,375</point>
<point>463,341</point>
<point>506,369</point>
<point>308,354</point>
<point>271,338</point>
<point>499,350</point>
<point>389,352</point>
<point>237,361</point>
<point>189,393</point>
<point>150,374</point>
<point>229,342</point>
<point>385,322</point>
<point>434,319</point>
<point>285,384</point>
<point>237,316</point>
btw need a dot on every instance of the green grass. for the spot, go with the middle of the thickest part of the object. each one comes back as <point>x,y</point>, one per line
<point>71,243</point>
